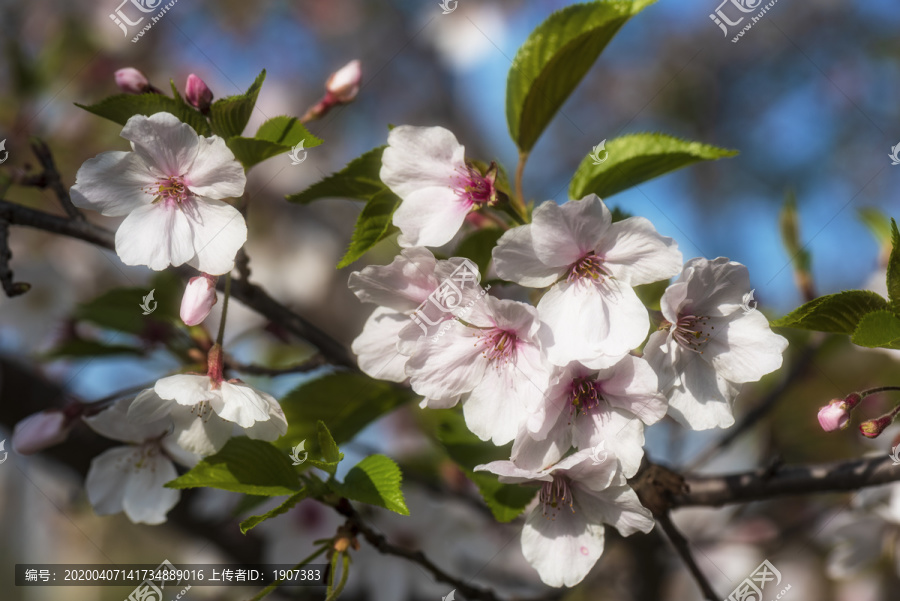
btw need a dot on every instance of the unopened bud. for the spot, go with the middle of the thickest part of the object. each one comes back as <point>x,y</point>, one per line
<point>834,416</point>
<point>41,431</point>
<point>198,93</point>
<point>132,81</point>
<point>198,300</point>
<point>874,427</point>
<point>343,85</point>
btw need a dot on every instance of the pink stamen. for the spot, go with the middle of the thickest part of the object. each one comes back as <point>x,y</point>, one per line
<point>171,190</point>
<point>590,266</point>
<point>473,188</point>
<point>499,346</point>
<point>554,495</point>
<point>586,395</point>
<point>693,332</point>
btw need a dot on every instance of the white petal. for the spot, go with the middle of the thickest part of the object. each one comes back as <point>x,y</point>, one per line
<point>499,405</point>
<point>113,422</point>
<point>242,404</point>
<point>621,433</point>
<point>376,346</point>
<point>402,285</point>
<point>185,389</point>
<point>271,429</point>
<point>564,234</point>
<point>510,473</point>
<point>747,349</point>
<point>449,366</point>
<point>146,500</point>
<point>219,232</point>
<point>430,216</point>
<point>562,550</point>
<point>111,183</point>
<point>148,407</point>
<point>617,506</point>
<point>699,398</point>
<point>107,479</point>
<point>715,288</point>
<point>636,254</point>
<point>215,173</point>
<point>633,386</point>
<point>420,157</point>
<point>516,261</point>
<point>532,454</point>
<point>155,235</point>
<point>163,142</point>
<point>202,435</point>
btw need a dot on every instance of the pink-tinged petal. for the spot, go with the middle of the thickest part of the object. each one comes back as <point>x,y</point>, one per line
<point>201,434</point>
<point>621,433</point>
<point>617,506</point>
<point>715,288</point>
<point>155,235</point>
<point>510,473</point>
<point>430,216</point>
<point>198,300</point>
<point>402,285</point>
<point>419,158</point>
<point>555,408</point>
<point>449,366</point>
<point>562,550</point>
<point>40,431</point>
<point>163,142</point>
<point>219,232</point>
<point>376,347</point>
<point>243,405</point>
<point>215,173</point>
<point>581,467</point>
<point>146,500</point>
<point>107,479</point>
<point>185,389</point>
<point>636,254</point>
<point>746,350</point>
<point>699,398</point>
<point>516,261</point>
<point>113,423</point>
<point>499,405</point>
<point>564,234</point>
<point>114,183</point>
<point>531,454</point>
<point>673,300</point>
<point>632,385</point>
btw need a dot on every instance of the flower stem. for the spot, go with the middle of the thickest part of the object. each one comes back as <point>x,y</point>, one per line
<point>263,593</point>
<point>345,572</point>
<point>221,334</point>
<point>866,393</point>
<point>518,199</point>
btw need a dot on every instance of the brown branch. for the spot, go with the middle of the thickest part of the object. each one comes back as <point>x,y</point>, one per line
<point>50,178</point>
<point>6,275</point>
<point>682,547</point>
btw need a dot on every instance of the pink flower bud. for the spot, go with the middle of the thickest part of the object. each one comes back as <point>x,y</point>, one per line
<point>343,85</point>
<point>834,416</point>
<point>199,298</point>
<point>132,81</point>
<point>40,431</point>
<point>874,427</point>
<point>197,93</point>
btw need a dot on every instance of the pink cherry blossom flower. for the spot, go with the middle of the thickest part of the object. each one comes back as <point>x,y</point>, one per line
<point>591,311</point>
<point>170,189</point>
<point>426,167</point>
<point>709,344</point>
<point>564,535</point>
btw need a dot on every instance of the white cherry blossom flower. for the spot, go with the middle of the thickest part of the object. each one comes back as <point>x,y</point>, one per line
<point>426,167</point>
<point>591,311</point>
<point>564,535</point>
<point>588,408</point>
<point>492,363</point>
<point>709,345</point>
<point>131,478</point>
<point>170,189</point>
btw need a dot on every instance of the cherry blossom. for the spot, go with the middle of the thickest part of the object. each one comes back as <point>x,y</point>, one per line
<point>427,168</point>
<point>564,535</point>
<point>709,345</point>
<point>170,189</point>
<point>591,312</point>
<point>198,300</point>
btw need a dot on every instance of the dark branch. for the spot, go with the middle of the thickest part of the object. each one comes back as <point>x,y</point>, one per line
<point>6,275</point>
<point>51,179</point>
<point>682,547</point>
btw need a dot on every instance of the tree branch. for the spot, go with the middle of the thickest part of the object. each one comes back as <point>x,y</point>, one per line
<point>684,551</point>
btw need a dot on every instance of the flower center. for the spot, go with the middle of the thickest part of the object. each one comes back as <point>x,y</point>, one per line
<point>590,266</point>
<point>554,495</point>
<point>692,332</point>
<point>203,410</point>
<point>586,395</point>
<point>475,189</point>
<point>499,346</point>
<point>171,190</point>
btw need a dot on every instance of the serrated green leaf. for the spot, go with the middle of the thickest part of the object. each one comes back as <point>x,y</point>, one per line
<point>229,116</point>
<point>637,158</point>
<point>359,180</point>
<point>375,480</point>
<point>478,247</point>
<point>329,449</point>
<point>835,313</point>
<point>346,402</point>
<point>120,308</point>
<point>89,348</point>
<point>122,107</point>
<point>372,226</point>
<point>253,467</point>
<point>554,59</point>
<point>893,270</point>
<point>880,329</point>
<point>256,520</point>
<point>286,131</point>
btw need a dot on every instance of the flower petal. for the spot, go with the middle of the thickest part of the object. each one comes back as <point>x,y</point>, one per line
<point>156,235</point>
<point>146,500</point>
<point>562,234</point>
<point>112,183</point>
<point>113,422</point>
<point>376,346</point>
<point>617,506</point>
<point>184,389</point>
<point>215,173</point>
<point>163,142</point>
<point>747,349</point>
<point>430,216</point>
<point>635,253</point>
<point>219,232</point>
<point>420,157</point>
<point>516,261</point>
<point>446,367</point>
<point>106,479</point>
<point>243,405</point>
<point>202,434</point>
<point>402,285</point>
<point>562,550</point>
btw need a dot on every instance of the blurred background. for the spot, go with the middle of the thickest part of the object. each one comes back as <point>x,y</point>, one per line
<point>809,97</point>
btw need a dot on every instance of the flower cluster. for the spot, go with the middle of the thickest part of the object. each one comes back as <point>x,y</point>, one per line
<point>563,374</point>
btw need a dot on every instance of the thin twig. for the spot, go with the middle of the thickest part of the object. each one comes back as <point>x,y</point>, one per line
<point>682,547</point>
<point>6,275</point>
<point>50,178</point>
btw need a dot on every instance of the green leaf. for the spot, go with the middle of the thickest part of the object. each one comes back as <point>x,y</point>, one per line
<point>878,223</point>
<point>651,294</point>
<point>375,480</point>
<point>880,329</point>
<point>122,107</point>
<point>289,504</point>
<point>229,116</point>
<point>637,158</point>
<point>253,467</point>
<point>372,226</point>
<point>554,59</point>
<point>90,348</point>
<point>346,401</point>
<point>478,247</point>
<point>836,313</point>
<point>359,180</point>
<point>331,455</point>
<point>120,308</point>
<point>286,131</point>
<point>893,270</point>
